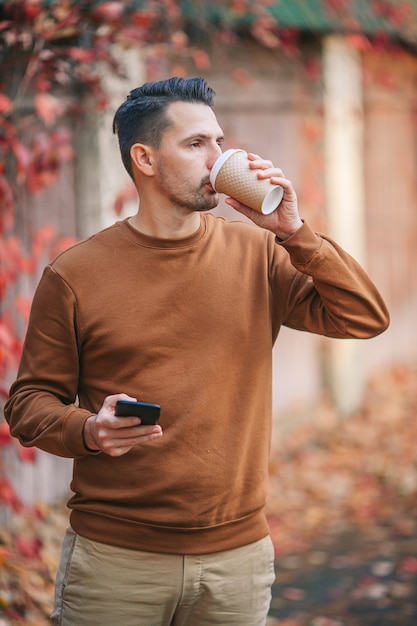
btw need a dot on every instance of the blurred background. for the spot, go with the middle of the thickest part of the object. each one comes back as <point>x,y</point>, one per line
<point>326,89</point>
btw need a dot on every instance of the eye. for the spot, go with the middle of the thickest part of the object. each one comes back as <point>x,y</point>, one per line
<point>195,144</point>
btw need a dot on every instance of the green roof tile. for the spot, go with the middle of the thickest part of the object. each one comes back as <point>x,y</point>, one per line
<point>371,16</point>
<point>396,18</point>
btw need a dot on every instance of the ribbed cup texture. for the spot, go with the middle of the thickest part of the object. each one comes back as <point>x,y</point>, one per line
<point>236,180</point>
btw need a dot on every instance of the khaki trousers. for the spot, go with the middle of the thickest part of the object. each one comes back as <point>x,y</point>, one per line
<point>100,585</point>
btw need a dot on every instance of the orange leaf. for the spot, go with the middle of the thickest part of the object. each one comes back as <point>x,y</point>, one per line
<point>201,60</point>
<point>359,42</point>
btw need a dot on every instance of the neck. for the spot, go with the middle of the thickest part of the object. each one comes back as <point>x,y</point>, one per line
<point>165,226</point>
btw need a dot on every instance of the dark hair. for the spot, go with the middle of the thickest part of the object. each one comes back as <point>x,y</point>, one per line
<point>142,116</point>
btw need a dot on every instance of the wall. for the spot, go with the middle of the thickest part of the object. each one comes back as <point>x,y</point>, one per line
<point>391,197</point>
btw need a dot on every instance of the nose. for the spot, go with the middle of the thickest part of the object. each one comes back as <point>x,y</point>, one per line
<point>214,155</point>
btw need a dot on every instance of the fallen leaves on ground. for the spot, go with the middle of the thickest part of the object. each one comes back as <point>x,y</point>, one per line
<point>30,545</point>
<point>356,471</point>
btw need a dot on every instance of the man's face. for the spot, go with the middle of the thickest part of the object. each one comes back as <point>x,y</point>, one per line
<point>186,155</point>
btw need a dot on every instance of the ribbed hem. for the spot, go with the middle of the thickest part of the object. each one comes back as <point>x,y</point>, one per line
<point>137,536</point>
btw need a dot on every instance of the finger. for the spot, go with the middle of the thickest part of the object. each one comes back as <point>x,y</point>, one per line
<point>119,447</point>
<point>254,157</point>
<point>138,431</point>
<point>261,165</point>
<point>121,423</point>
<point>257,162</point>
<point>110,401</point>
<point>272,172</point>
<point>287,186</point>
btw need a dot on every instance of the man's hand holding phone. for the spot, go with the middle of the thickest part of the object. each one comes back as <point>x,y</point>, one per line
<point>116,434</point>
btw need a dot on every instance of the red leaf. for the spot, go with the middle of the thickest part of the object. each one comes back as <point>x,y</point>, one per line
<point>26,454</point>
<point>5,436</point>
<point>408,565</point>
<point>45,167</point>
<point>312,69</point>
<point>4,391</point>
<point>43,237</point>
<point>141,19</point>
<point>32,10</point>
<point>6,105</point>
<point>82,55</point>
<point>8,495</point>
<point>45,234</point>
<point>42,84</point>
<point>29,547</point>
<point>63,243</point>
<point>110,12</point>
<point>22,305</point>
<point>23,158</point>
<point>4,24</point>
<point>10,347</point>
<point>7,204</point>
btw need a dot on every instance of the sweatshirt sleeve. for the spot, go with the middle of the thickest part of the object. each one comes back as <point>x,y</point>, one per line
<point>330,293</point>
<point>41,409</point>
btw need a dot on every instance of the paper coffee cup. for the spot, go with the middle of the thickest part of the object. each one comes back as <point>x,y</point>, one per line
<point>231,175</point>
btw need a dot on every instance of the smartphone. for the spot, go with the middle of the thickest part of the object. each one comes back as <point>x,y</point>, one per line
<point>148,413</point>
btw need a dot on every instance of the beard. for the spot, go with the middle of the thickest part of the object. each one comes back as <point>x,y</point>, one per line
<point>185,194</point>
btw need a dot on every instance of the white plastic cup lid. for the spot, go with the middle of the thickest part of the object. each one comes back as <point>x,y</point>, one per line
<point>219,163</point>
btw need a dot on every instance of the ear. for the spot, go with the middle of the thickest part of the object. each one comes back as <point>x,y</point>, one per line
<point>142,158</point>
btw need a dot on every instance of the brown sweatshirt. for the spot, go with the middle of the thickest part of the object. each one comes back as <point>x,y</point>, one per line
<point>188,324</point>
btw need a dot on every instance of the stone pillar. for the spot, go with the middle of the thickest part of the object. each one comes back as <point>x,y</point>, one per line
<point>345,196</point>
<point>99,173</point>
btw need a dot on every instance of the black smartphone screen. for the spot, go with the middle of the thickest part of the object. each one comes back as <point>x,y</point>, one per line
<point>149,413</point>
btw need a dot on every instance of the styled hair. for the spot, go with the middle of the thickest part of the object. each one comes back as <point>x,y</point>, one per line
<point>142,117</point>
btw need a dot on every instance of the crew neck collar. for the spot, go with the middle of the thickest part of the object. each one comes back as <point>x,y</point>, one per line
<point>153,242</point>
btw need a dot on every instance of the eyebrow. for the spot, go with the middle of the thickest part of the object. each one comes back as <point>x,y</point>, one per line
<point>202,136</point>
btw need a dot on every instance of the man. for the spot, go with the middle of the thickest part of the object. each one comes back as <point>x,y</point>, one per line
<point>176,307</point>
